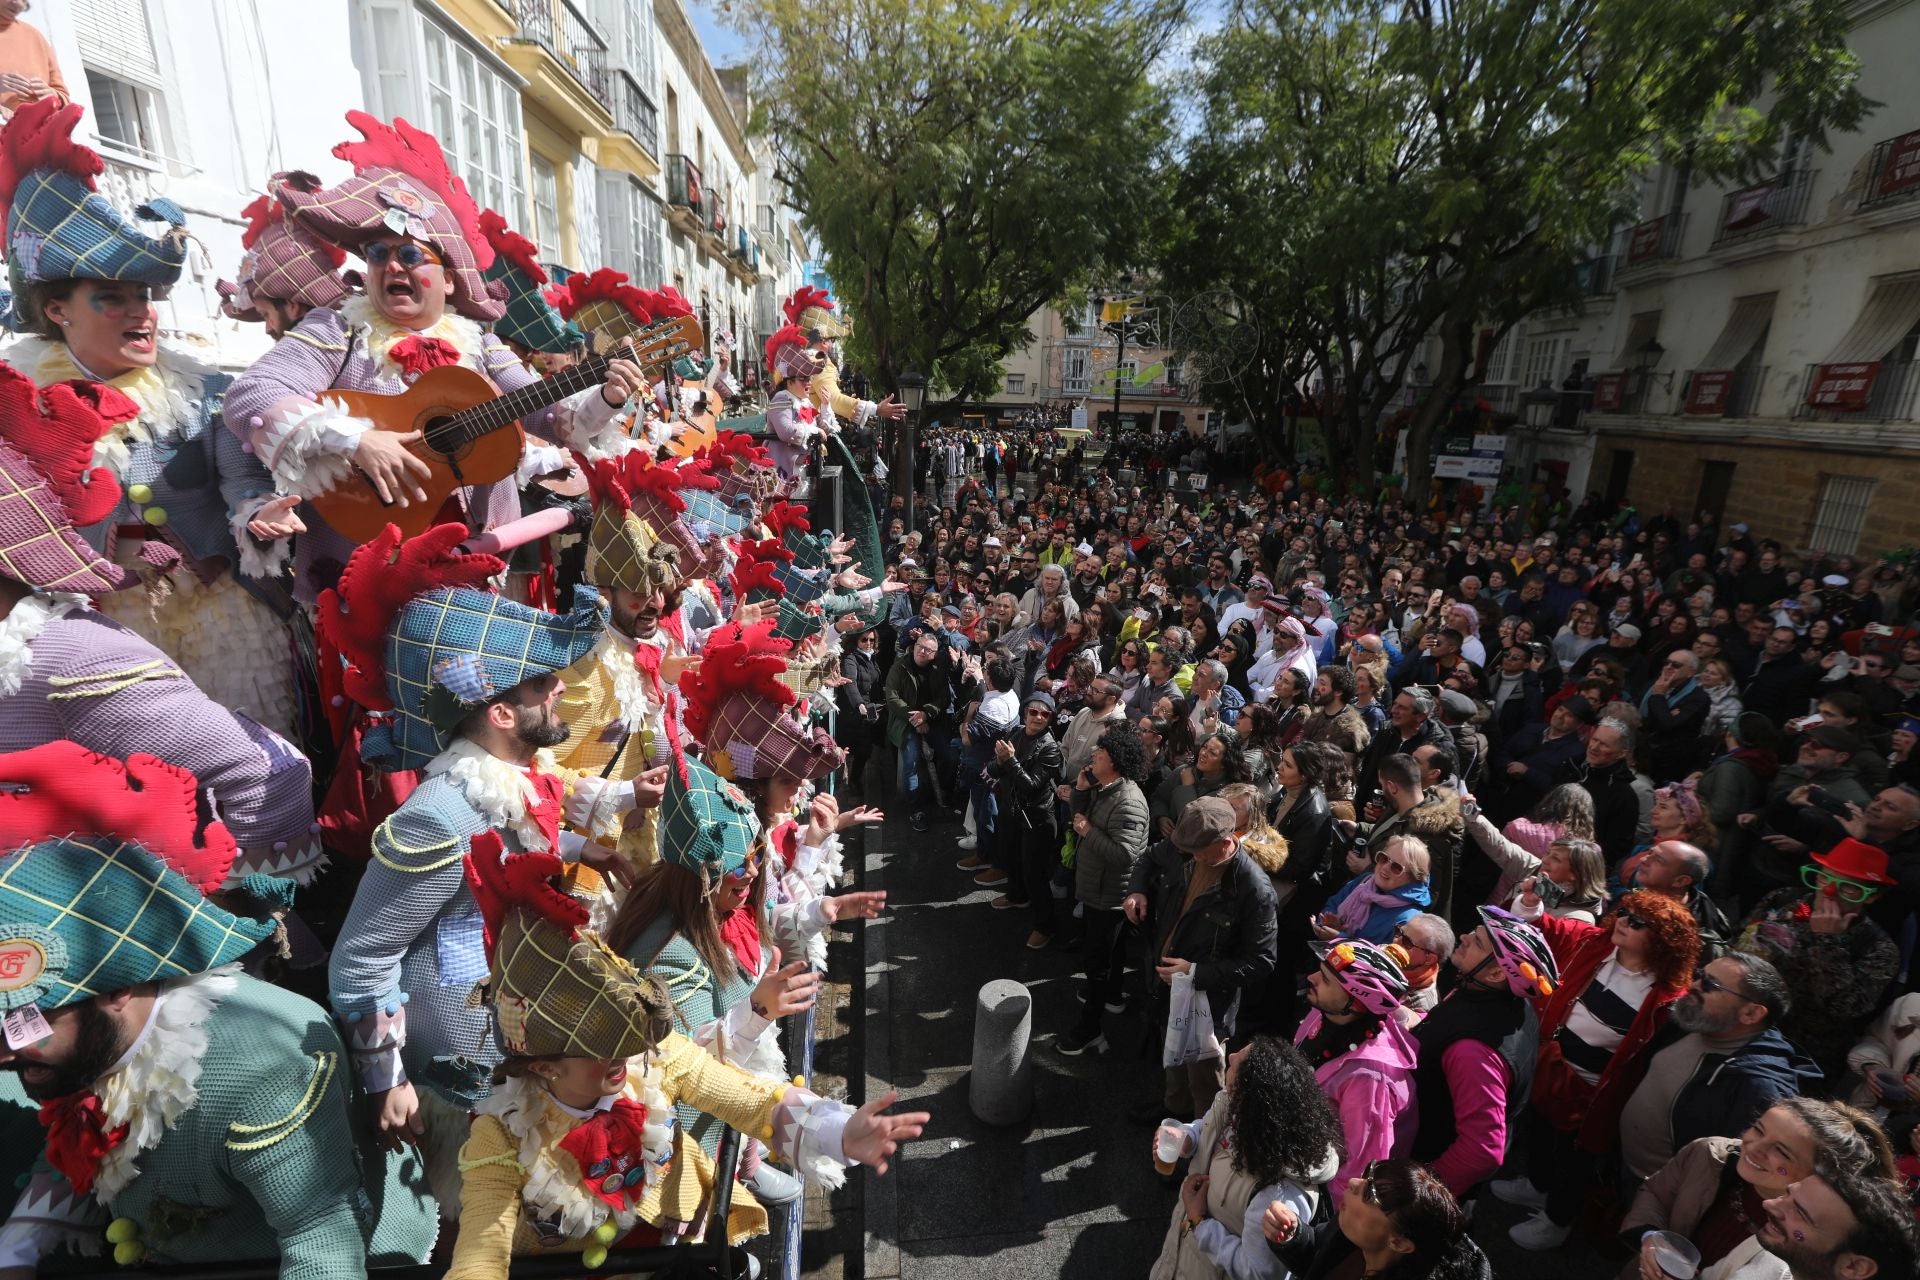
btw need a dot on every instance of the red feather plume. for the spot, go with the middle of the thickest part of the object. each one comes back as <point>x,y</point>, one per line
<point>803,297</point>
<point>62,789</point>
<point>56,429</point>
<point>782,517</point>
<point>604,285</point>
<point>512,246</point>
<point>518,880</point>
<point>380,577</point>
<point>744,660</point>
<point>666,302</point>
<point>735,446</point>
<point>417,154</point>
<point>40,136</point>
<point>752,575</point>
<point>261,214</point>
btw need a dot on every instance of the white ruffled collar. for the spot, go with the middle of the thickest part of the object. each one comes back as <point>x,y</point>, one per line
<point>554,1188</point>
<point>629,682</point>
<point>381,335</point>
<point>499,790</point>
<point>165,393</point>
<point>158,1079</point>
<point>20,628</point>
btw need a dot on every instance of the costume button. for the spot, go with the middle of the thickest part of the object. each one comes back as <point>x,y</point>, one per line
<point>155,516</point>
<point>139,493</point>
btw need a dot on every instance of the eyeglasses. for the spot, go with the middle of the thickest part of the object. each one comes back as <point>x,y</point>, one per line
<point>1381,859</point>
<point>1632,921</point>
<point>1367,1190</point>
<point>1400,934</point>
<point>1709,984</point>
<point>408,253</point>
<point>744,876</point>
<point>1844,889</point>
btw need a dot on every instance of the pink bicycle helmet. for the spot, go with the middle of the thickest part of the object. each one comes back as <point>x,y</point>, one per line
<point>1522,953</point>
<point>1368,973</point>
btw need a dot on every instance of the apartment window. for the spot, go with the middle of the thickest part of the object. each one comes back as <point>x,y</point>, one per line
<point>123,77</point>
<point>1841,514</point>
<point>1073,371</point>
<point>1543,361</point>
<point>1016,384</point>
<point>476,116</point>
<point>546,207</point>
<point>127,116</point>
<point>1503,363</point>
<point>1173,375</point>
<point>638,18</point>
<point>1125,371</point>
<point>649,223</point>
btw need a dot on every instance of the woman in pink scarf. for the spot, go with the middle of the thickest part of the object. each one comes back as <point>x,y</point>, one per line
<point>1379,900</point>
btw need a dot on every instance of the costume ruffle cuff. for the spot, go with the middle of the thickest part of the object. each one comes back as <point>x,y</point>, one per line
<point>809,1132</point>
<point>259,558</point>
<point>587,424</point>
<point>595,803</point>
<point>308,445</point>
<point>374,1036</point>
<point>538,460</point>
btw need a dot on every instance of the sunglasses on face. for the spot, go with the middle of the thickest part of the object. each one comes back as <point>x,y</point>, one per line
<point>1632,921</point>
<point>1709,984</point>
<point>409,254</point>
<point>1381,859</point>
<point>744,876</point>
<point>1846,890</point>
<point>1368,1192</point>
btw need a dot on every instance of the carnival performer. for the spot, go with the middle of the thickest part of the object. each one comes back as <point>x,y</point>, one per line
<point>193,1114</point>
<point>811,309</point>
<point>577,1147</point>
<point>86,282</point>
<point>609,309</point>
<point>67,671</point>
<point>286,270</point>
<point>792,418</point>
<point>418,230</point>
<point>465,682</point>
<point>531,326</point>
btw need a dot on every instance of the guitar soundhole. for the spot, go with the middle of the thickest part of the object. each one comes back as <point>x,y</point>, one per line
<point>443,436</point>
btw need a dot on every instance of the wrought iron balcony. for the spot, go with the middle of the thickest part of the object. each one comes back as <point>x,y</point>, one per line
<point>635,113</point>
<point>684,187</point>
<point>1654,241</point>
<point>569,35</point>
<point>1893,172</point>
<point>1872,392</point>
<point>1773,206</point>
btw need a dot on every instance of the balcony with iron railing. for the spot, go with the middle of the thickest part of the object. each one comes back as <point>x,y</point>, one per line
<point>1595,275</point>
<point>1653,246</point>
<point>566,63</point>
<point>1893,179</point>
<point>1874,392</point>
<point>1722,393</point>
<point>634,144</point>
<point>1754,214</point>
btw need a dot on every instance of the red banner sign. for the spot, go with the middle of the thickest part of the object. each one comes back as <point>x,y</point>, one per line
<point>1901,168</point>
<point>1707,393</point>
<point>1747,208</point>
<point>1645,242</point>
<point>1843,387</point>
<point>1609,392</point>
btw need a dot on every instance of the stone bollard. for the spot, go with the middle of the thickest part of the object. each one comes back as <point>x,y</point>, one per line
<point>1001,1090</point>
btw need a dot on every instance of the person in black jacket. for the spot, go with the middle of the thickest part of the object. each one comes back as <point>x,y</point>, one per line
<point>1675,707</point>
<point>862,699</point>
<point>1410,722</point>
<point>1606,771</point>
<point>1719,1062</point>
<point>1024,771</point>
<point>1222,932</point>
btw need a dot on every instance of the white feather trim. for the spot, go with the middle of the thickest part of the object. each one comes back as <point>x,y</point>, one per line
<point>161,1079</point>
<point>501,792</point>
<point>20,628</point>
<point>258,559</point>
<point>629,685</point>
<point>308,446</point>
<point>381,335</point>
<point>538,459</point>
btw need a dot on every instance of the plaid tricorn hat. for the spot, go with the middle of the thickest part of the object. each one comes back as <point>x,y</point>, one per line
<point>401,185</point>
<point>58,227</point>
<point>747,476</point>
<point>790,356</point>
<point>811,310</point>
<point>97,891</point>
<point>622,550</point>
<point>49,484</point>
<point>428,652</point>
<point>556,988</point>
<point>707,824</point>
<point>802,576</point>
<point>530,320</point>
<point>283,259</point>
<point>663,494</point>
<point>743,715</point>
<point>608,305</point>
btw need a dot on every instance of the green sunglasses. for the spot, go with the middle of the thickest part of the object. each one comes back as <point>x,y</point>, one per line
<point>1850,891</point>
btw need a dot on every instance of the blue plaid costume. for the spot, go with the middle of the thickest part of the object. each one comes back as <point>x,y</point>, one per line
<point>530,320</point>
<point>59,228</point>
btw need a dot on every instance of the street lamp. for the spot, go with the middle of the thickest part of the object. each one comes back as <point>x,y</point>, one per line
<point>1539,404</point>
<point>1648,356</point>
<point>913,394</point>
<point>1126,284</point>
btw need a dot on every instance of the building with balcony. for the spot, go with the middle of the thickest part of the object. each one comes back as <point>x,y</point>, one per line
<point>1073,360</point>
<point>1754,350</point>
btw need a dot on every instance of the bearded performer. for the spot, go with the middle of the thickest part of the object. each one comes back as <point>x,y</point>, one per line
<point>464,683</point>
<point>811,310</point>
<point>68,672</point>
<point>578,1147</point>
<point>418,230</point>
<point>286,270</point>
<point>193,1114</point>
<point>85,283</point>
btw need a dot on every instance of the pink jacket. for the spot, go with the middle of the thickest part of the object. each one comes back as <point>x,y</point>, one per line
<point>1478,1079</point>
<point>1372,1089</point>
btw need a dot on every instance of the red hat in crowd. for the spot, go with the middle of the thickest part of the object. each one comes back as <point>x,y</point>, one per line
<point>1856,860</point>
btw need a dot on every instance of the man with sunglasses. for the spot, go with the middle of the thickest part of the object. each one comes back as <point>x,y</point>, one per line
<point>1718,1063</point>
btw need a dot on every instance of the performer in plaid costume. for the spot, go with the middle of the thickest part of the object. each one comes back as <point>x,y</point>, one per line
<point>85,280</point>
<point>529,324</point>
<point>579,1147</point>
<point>69,672</point>
<point>192,1114</point>
<point>792,418</point>
<point>286,271</point>
<point>811,310</point>
<point>414,223</point>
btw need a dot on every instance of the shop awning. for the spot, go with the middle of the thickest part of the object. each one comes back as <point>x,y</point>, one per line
<point>1745,329</point>
<point>1891,312</point>
<point>1640,330</point>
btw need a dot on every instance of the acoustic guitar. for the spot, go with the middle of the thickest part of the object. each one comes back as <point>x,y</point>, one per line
<point>696,427</point>
<point>471,432</point>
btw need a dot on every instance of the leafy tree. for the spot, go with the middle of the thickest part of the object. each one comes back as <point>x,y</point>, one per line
<point>963,163</point>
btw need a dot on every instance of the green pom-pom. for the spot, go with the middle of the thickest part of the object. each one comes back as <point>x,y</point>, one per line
<point>122,1231</point>
<point>130,1253</point>
<point>606,1232</point>
<point>594,1256</point>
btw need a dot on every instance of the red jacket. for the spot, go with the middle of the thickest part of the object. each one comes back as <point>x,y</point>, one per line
<point>1592,1112</point>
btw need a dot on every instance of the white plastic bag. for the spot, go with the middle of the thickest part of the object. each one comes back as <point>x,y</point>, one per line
<point>1190,1034</point>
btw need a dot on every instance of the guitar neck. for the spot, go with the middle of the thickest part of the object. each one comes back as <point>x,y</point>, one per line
<point>535,396</point>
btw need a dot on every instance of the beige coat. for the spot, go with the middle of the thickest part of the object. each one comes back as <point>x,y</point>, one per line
<point>1235,1203</point>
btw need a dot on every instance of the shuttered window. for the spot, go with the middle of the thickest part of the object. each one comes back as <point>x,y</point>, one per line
<point>115,38</point>
<point>1841,514</point>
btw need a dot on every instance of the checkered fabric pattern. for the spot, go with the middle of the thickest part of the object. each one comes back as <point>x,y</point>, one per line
<point>863,526</point>
<point>512,642</point>
<point>97,915</point>
<point>61,229</point>
<point>623,552</point>
<point>707,824</point>
<point>377,201</point>
<point>288,263</point>
<point>803,579</point>
<point>571,996</point>
<point>529,319</point>
<point>37,543</point>
<point>715,508</point>
<point>776,745</point>
<point>798,620</point>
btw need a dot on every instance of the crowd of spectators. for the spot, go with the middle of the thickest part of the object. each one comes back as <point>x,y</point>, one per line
<point>1576,866</point>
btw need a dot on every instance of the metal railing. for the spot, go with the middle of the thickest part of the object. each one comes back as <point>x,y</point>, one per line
<point>1738,398</point>
<point>635,114</point>
<point>569,35</point>
<point>1896,387</point>
<point>684,189</point>
<point>1762,210</point>
<point>1596,275</point>
<point>1655,240</point>
<point>1893,172</point>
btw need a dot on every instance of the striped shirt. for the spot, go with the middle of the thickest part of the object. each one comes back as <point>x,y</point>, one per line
<point>1601,1018</point>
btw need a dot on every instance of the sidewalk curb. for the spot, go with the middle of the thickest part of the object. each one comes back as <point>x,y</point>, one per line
<point>880,1202</point>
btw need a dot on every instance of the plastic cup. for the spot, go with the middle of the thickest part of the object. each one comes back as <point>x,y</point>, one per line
<point>1674,1254</point>
<point>1166,1147</point>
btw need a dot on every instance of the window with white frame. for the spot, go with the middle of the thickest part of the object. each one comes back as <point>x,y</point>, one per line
<point>1503,362</point>
<point>123,76</point>
<point>1016,384</point>
<point>649,226</point>
<point>546,207</point>
<point>1126,371</point>
<point>1073,370</point>
<point>1174,375</point>
<point>126,115</point>
<point>1841,514</point>
<point>476,115</point>
<point>1543,361</point>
